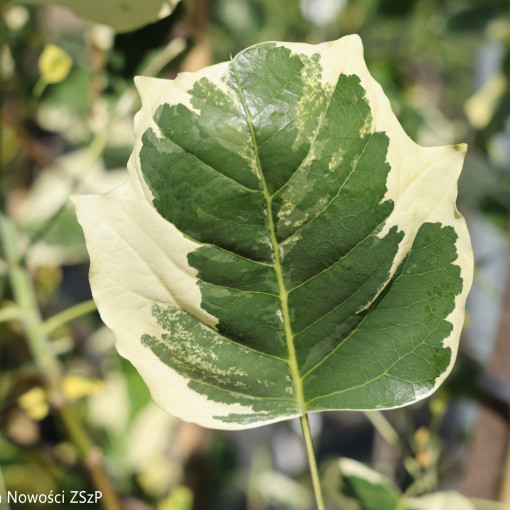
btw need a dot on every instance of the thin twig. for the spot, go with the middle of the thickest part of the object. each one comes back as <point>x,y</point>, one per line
<point>68,315</point>
<point>384,427</point>
<point>392,437</point>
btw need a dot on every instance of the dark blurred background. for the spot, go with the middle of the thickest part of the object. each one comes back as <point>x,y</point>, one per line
<point>66,127</point>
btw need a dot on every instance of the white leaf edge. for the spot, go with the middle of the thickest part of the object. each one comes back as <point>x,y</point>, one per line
<point>446,500</point>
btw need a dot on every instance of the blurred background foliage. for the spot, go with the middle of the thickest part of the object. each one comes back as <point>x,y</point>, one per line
<point>73,414</point>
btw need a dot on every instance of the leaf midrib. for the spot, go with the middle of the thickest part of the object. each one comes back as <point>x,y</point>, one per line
<point>283,293</point>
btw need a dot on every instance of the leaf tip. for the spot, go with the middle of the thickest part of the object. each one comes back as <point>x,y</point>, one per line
<point>143,83</point>
<point>351,45</point>
<point>354,39</point>
<point>460,147</point>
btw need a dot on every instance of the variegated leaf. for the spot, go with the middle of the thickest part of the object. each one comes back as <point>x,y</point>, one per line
<point>281,246</point>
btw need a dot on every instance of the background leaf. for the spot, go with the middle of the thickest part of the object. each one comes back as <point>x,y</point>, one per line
<point>357,487</point>
<point>442,501</point>
<point>121,15</point>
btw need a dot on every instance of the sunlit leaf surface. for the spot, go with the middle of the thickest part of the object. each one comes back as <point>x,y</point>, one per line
<point>281,245</point>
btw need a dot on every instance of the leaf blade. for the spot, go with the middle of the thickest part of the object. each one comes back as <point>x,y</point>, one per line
<point>299,254</point>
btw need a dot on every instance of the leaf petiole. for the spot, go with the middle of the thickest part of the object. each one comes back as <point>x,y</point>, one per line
<point>312,461</point>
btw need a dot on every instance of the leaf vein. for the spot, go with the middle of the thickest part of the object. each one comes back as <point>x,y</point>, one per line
<point>209,166</point>
<point>366,383</point>
<point>375,229</point>
<point>337,195</point>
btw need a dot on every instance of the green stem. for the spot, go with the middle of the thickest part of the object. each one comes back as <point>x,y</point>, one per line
<point>39,88</point>
<point>422,485</point>
<point>10,313</point>
<point>93,458</point>
<point>167,54</point>
<point>48,365</point>
<point>24,295</point>
<point>75,431</point>
<point>68,315</point>
<point>307,435</point>
<point>384,427</point>
<point>392,437</point>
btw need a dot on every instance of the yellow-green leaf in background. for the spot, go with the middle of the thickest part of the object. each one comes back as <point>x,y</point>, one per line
<point>35,403</point>
<point>181,498</point>
<point>75,387</point>
<point>54,64</point>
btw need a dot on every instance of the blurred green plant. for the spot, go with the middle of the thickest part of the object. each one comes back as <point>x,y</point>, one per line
<point>444,65</point>
<point>357,487</point>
